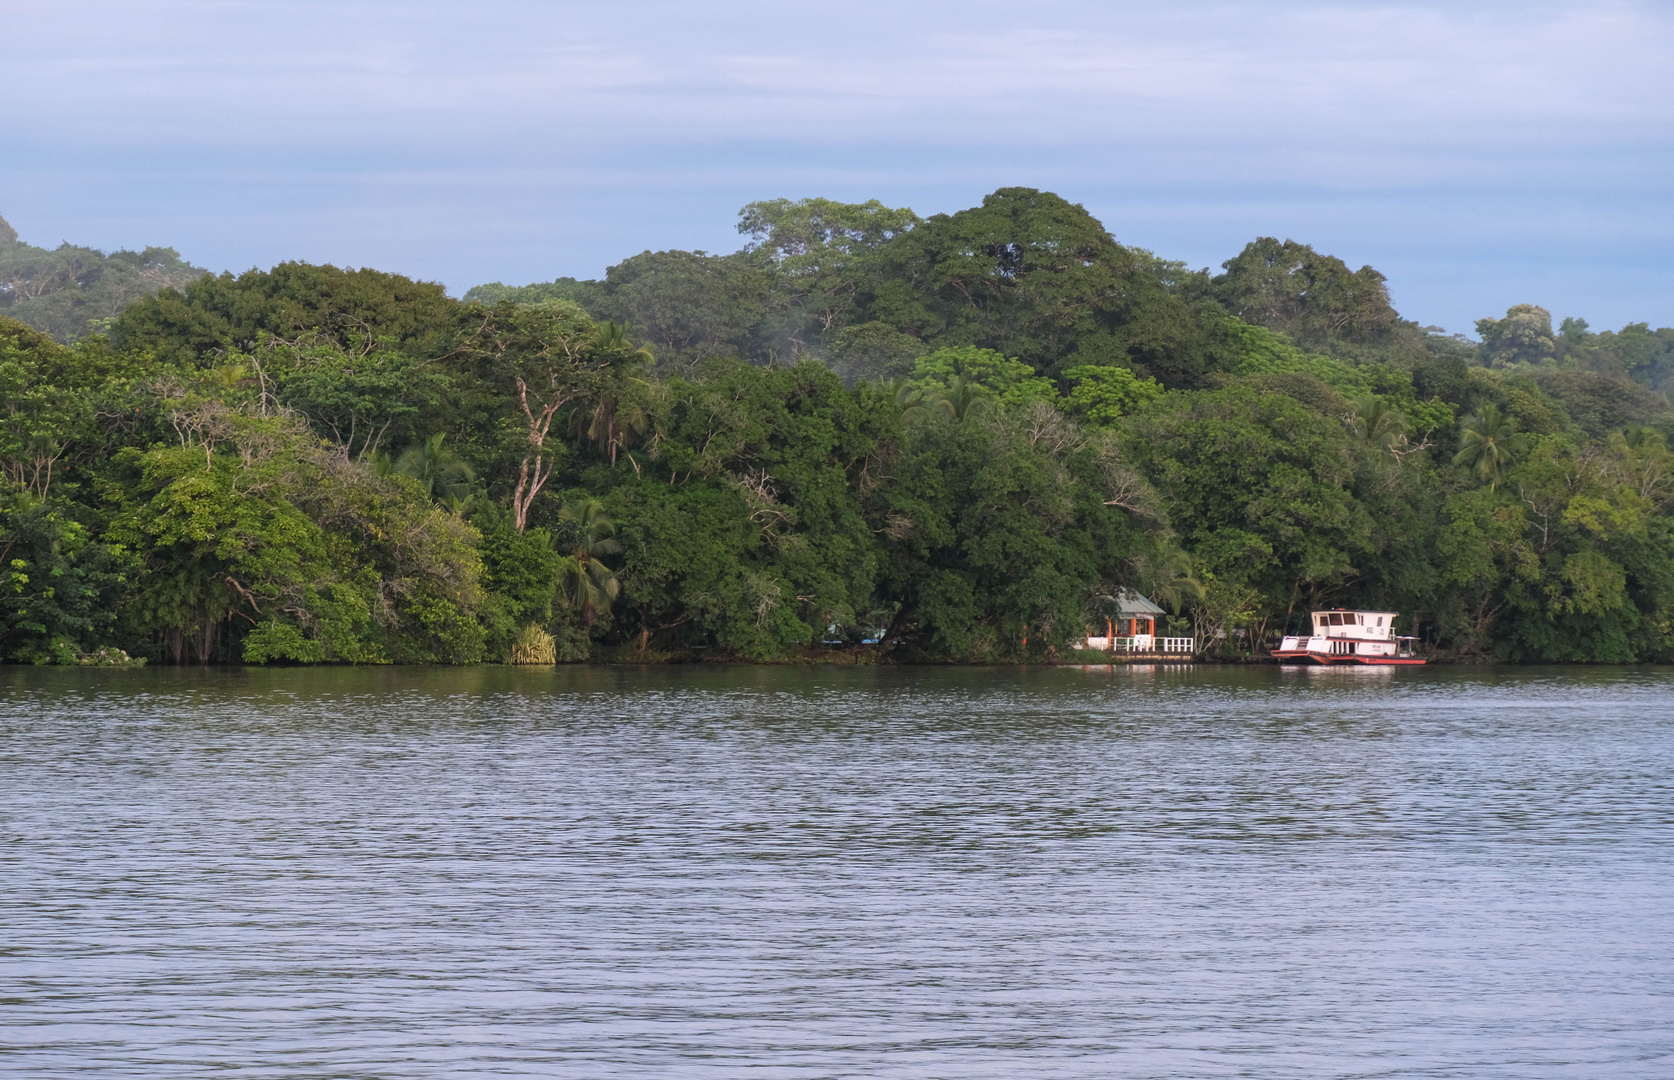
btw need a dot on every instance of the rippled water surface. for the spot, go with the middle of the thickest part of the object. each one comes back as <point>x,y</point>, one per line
<point>837,872</point>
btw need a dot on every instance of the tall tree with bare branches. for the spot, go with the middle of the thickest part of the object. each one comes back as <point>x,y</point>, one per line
<point>553,356</point>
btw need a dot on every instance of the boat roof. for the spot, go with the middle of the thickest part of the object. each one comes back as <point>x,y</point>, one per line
<point>1353,611</point>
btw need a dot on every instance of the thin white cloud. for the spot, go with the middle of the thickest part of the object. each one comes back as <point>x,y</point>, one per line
<point>575,132</point>
<point>437,71</point>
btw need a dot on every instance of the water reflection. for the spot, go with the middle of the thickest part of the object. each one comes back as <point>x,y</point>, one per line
<point>1172,871</point>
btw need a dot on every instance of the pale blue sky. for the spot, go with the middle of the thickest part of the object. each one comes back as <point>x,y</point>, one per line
<point>1480,154</point>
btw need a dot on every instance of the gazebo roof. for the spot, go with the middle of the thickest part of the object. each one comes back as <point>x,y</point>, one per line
<point>1130,603</point>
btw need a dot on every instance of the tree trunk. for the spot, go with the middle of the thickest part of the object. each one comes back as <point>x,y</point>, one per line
<point>532,476</point>
<point>535,470</point>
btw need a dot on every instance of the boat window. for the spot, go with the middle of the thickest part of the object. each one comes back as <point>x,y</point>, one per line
<point>1336,620</point>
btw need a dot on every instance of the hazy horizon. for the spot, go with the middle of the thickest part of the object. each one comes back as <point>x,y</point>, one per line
<point>1480,155</point>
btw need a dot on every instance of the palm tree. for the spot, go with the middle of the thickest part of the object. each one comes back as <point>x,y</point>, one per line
<point>1376,424</point>
<point>442,473</point>
<point>231,375</point>
<point>907,399</point>
<point>584,581</point>
<point>1488,444</point>
<point>958,398</point>
<point>611,337</point>
<point>613,424</point>
<point>1649,462</point>
<point>1171,579</point>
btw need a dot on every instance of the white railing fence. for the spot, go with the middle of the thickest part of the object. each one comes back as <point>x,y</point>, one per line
<point>1143,643</point>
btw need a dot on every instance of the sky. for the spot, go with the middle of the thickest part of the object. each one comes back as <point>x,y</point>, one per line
<point>1479,154</point>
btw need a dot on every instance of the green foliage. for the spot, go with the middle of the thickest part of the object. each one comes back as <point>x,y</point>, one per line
<point>548,357</point>
<point>1031,275</point>
<point>970,432</point>
<point>1488,444</point>
<point>747,530</point>
<point>689,305</point>
<point>1010,381</point>
<point>41,411</point>
<point>1424,417</point>
<point>586,582</point>
<point>873,350</point>
<point>255,542</point>
<point>70,292</point>
<point>1105,394</point>
<point>1264,490</point>
<point>585,294</point>
<point>1313,298</point>
<point>1601,403</point>
<point>1377,425</point>
<point>210,315</point>
<point>1260,351</point>
<point>1524,336</point>
<point>821,257</point>
<point>353,397</point>
<point>441,473</point>
<point>1643,354</point>
<point>1000,531</point>
<point>534,646</point>
<point>520,569</point>
<point>58,583</point>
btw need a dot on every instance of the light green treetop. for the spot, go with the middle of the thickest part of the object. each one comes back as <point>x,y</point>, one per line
<point>1104,394</point>
<point>1010,380</point>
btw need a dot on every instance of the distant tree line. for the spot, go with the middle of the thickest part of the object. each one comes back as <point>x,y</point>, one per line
<point>71,292</point>
<point>954,438</point>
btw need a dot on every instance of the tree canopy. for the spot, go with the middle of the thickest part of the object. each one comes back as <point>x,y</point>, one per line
<point>953,438</point>
<point>72,291</point>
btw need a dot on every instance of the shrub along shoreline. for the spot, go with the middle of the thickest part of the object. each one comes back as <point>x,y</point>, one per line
<point>958,437</point>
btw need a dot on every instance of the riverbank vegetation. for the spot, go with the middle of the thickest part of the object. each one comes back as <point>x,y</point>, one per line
<point>952,438</point>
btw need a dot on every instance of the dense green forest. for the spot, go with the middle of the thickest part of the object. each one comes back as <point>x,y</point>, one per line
<point>960,435</point>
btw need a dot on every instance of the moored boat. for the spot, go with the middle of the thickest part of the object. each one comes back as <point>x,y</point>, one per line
<point>1351,637</point>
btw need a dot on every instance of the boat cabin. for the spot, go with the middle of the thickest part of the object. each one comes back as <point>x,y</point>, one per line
<point>1367,637</point>
<point>1359,625</point>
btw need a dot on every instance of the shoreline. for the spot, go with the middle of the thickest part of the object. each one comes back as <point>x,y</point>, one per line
<point>840,661</point>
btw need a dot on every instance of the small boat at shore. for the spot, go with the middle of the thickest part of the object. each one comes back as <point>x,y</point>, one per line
<point>1351,637</point>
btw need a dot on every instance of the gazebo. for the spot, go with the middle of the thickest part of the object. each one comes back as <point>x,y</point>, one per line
<point>1136,616</point>
<point>1134,628</point>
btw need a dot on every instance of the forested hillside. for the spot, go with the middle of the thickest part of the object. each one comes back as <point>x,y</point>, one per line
<point>71,292</point>
<point>961,434</point>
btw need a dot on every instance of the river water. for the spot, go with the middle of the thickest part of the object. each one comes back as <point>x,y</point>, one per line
<point>792,872</point>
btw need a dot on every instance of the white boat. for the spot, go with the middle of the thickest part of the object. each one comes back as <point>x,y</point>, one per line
<point>1351,637</point>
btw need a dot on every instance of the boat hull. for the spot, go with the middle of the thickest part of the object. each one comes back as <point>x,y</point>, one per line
<point>1328,659</point>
